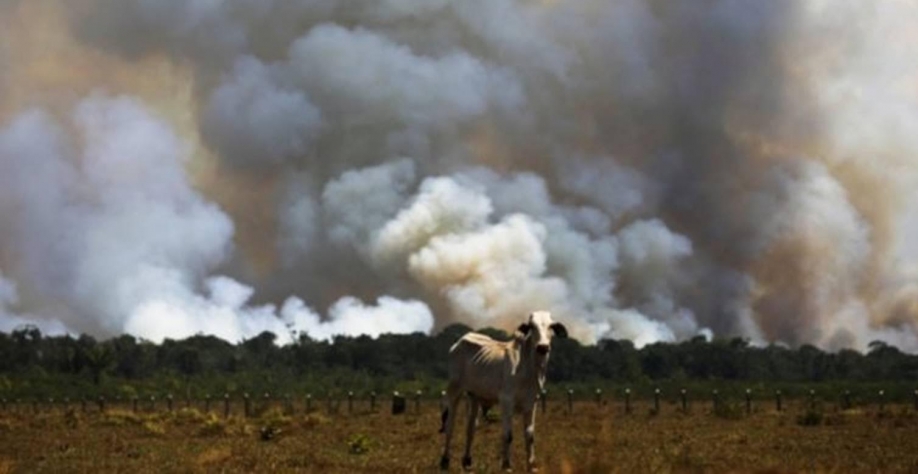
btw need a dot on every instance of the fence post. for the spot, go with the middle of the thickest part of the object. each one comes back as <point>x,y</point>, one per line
<point>417,401</point>
<point>350,402</point>
<point>812,399</point>
<point>169,402</point>
<point>683,395</point>
<point>266,404</point>
<point>247,404</point>
<point>570,401</point>
<point>308,403</point>
<point>226,405</point>
<point>778,400</point>
<point>207,403</point>
<point>714,400</point>
<point>748,401</point>
<point>656,401</point>
<point>627,400</point>
<point>398,403</point>
<point>881,401</point>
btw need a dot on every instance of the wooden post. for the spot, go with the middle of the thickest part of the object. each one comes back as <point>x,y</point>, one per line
<point>417,402</point>
<point>656,401</point>
<point>599,397</point>
<point>350,403</point>
<point>247,405</point>
<point>398,403</point>
<point>748,401</point>
<point>627,400</point>
<point>778,400</point>
<point>683,395</point>
<point>226,405</point>
<point>715,398</point>
<point>570,401</point>
<point>881,400</point>
<point>308,403</point>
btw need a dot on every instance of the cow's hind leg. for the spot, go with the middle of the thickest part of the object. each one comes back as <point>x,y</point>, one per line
<point>452,395</point>
<point>470,433</point>
<point>506,414</point>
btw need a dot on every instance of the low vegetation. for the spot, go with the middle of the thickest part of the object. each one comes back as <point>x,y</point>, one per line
<point>594,438</point>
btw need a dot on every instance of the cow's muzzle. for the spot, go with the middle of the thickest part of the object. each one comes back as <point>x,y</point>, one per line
<point>542,349</point>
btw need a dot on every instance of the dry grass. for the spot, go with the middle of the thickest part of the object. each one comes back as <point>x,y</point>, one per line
<point>594,439</point>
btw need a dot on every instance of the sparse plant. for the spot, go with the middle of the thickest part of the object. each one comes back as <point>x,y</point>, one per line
<point>359,444</point>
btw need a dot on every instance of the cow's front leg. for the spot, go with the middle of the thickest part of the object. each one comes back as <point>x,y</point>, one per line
<point>529,430</point>
<point>506,415</point>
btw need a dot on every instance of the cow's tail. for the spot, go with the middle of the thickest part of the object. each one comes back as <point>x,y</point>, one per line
<point>443,417</point>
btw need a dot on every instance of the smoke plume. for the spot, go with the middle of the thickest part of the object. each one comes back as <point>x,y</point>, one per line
<point>644,170</point>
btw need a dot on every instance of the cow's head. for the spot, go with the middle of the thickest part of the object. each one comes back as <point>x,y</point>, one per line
<point>540,329</point>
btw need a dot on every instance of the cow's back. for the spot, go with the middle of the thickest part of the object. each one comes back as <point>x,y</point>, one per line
<point>480,365</point>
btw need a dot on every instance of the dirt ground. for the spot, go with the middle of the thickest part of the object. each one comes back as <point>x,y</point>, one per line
<point>593,439</point>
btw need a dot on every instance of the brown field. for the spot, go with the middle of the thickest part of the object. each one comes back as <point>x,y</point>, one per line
<point>593,439</point>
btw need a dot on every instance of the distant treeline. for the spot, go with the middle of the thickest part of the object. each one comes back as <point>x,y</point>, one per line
<point>32,364</point>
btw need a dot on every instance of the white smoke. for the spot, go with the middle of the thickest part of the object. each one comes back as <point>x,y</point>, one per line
<point>644,170</point>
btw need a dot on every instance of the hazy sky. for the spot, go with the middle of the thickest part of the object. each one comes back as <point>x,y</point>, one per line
<point>644,169</point>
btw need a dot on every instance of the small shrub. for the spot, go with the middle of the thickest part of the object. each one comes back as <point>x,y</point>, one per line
<point>276,417</point>
<point>359,444</point>
<point>153,428</point>
<point>810,418</point>
<point>212,426</point>
<point>313,420</point>
<point>729,410</point>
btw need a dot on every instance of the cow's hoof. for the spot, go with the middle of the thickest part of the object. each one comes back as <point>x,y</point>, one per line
<point>467,463</point>
<point>444,463</point>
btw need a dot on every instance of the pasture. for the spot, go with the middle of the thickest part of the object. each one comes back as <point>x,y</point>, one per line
<point>594,438</point>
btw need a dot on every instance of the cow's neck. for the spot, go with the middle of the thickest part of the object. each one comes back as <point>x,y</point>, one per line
<point>532,369</point>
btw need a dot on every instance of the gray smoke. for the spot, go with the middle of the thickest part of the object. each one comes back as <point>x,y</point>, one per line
<point>645,170</point>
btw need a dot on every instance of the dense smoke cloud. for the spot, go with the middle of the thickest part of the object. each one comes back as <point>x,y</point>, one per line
<point>645,170</point>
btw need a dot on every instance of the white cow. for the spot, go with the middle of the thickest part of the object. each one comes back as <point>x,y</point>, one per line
<point>510,373</point>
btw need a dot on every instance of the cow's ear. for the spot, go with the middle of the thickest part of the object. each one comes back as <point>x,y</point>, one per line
<point>524,328</point>
<point>559,330</point>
